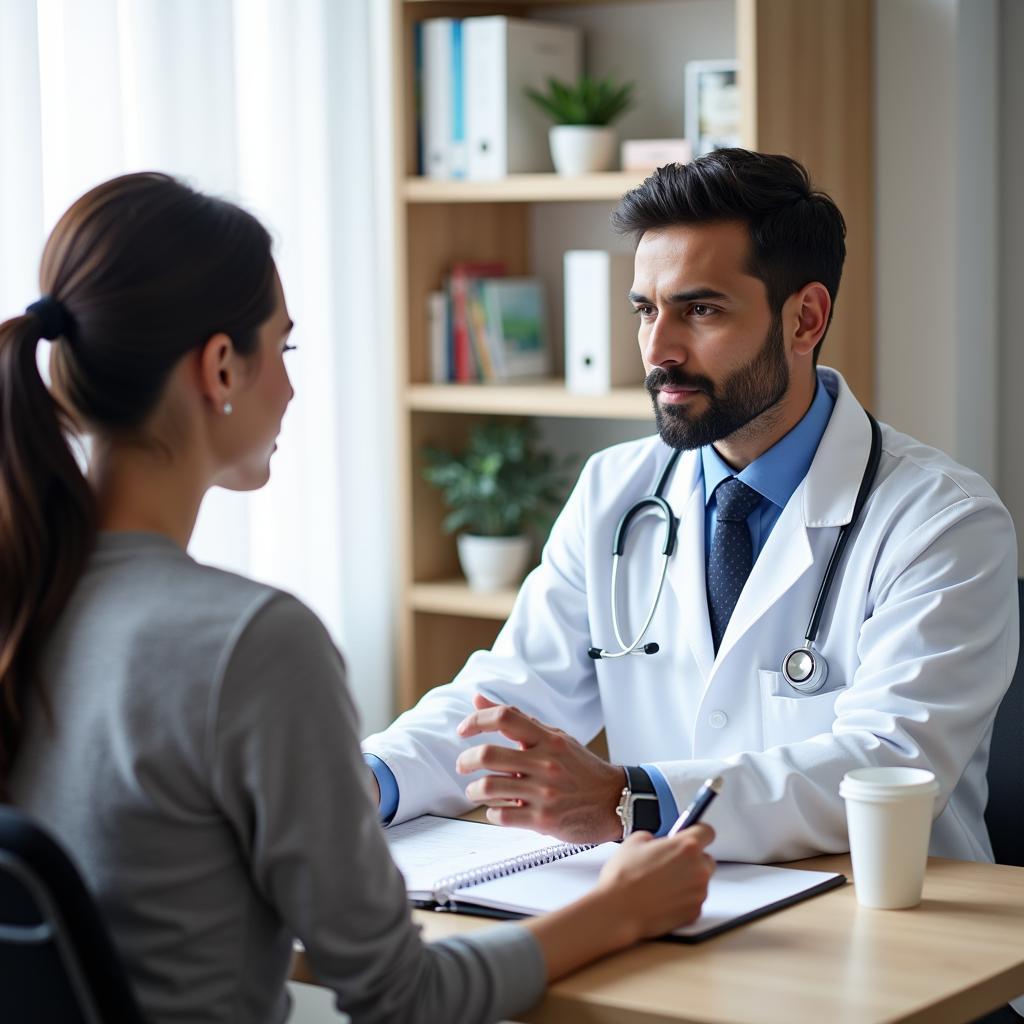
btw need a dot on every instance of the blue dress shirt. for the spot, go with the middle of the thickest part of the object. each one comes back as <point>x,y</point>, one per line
<point>388,787</point>
<point>775,475</point>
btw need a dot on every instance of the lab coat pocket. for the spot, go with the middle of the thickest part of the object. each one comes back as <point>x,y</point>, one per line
<point>789,716</point>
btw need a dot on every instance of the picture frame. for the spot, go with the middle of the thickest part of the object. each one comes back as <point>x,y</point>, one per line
<point>712,105</point>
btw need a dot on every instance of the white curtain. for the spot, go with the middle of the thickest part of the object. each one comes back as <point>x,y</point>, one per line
<point>271,103</point>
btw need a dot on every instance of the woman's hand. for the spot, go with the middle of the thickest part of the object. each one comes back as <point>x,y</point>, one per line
<point>662,882</point>
<point>648,888</point>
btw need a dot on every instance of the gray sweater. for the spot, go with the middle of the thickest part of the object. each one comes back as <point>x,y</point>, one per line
<point>203,769</point>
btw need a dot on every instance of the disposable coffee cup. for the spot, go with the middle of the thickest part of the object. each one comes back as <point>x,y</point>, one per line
<point>889,818</point>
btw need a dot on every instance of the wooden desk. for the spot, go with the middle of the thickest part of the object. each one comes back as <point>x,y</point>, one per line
<point>951,959</point>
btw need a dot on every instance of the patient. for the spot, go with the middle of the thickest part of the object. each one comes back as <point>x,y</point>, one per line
<point>187,733</point>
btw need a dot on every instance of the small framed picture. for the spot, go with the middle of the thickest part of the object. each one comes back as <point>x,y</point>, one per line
<point>712,105</point>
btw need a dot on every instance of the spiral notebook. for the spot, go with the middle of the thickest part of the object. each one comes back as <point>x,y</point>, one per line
<point>473,868</point>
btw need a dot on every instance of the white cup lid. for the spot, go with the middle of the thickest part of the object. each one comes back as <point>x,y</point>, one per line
<point>887,784</point>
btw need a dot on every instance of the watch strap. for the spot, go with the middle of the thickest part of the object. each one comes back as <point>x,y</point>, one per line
<point>646,812</point>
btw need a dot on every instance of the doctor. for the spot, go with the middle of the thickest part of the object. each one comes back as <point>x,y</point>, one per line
<point>738,262</point>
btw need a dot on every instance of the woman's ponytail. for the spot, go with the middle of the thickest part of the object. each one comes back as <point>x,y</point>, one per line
<point>47,523</point>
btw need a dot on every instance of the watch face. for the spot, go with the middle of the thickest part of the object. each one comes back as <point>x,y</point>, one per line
<point>624,812</point>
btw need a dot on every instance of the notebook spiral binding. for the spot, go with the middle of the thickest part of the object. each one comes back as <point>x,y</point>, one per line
<point>445,887</point>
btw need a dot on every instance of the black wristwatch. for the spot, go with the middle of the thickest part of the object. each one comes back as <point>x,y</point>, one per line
<point>638,808</point>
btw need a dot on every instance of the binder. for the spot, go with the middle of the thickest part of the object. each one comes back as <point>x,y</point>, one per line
<point>438,96</point>
<point>505,132</point>
<point>459,155</point>
<point>600,328</point>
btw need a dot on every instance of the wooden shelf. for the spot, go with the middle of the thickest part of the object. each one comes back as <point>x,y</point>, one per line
<point>534,398</point>
<point>453,597</point>
<point>524,188</point>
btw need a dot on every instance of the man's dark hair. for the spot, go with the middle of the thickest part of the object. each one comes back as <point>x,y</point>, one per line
<point>796,233</point>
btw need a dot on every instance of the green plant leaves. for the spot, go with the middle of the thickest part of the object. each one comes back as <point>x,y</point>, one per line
<point>501,484</point>
<point>589,102</point>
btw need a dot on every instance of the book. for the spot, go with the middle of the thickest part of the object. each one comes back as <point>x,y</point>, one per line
<point>438,334</point>
<point>515,322</point>
<point>468,867</point>
<point>465,367</point>
<point>477,326</point>
<point>505,132</point>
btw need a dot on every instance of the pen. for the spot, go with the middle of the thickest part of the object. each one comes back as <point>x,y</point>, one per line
<point>700,804</point>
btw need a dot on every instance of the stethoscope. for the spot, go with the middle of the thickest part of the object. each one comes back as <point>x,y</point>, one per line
<point>805,667</point>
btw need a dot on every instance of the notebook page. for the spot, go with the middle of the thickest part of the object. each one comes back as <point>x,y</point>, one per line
<point>736,890</point>
<point>429,848</point>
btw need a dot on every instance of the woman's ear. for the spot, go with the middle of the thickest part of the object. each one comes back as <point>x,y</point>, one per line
<point>218,371</point>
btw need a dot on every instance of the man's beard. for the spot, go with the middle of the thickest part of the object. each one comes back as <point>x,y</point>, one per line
<point>738,400</point>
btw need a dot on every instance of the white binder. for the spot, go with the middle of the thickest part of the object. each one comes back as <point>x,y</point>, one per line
<point>437,96</point>
<point>506,133</point>
<point>600,329</point>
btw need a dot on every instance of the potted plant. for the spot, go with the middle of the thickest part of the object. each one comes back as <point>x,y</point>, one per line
<point>581,139</point>
<point>499,487</point>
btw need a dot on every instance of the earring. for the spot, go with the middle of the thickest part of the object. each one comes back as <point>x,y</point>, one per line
<point>227,409</point>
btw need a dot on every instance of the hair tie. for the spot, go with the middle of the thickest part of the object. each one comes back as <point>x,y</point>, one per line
<point>54,319</point>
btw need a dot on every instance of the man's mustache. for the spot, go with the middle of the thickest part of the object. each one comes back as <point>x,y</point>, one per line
<point>659,378</point>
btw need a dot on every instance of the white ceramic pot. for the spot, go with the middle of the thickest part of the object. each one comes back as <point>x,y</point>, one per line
<point>493,563</point>
<point>581,148</point>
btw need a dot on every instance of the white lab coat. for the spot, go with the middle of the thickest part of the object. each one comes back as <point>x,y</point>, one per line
<point>920,633</point>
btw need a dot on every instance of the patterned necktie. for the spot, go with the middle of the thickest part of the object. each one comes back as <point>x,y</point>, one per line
<point>732,552</point>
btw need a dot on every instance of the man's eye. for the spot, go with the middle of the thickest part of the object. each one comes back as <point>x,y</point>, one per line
<point>645,311</point>
<point>700,310</point>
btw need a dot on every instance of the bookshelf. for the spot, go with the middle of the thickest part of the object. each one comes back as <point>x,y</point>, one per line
<point>807,90</point>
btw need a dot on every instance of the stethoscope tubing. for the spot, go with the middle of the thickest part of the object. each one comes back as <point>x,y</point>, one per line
<point>812,677</point>
<point>866,482</point>
<point>632,648</point>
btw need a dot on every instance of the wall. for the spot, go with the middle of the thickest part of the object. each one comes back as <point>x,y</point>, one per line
<point>936,146</point>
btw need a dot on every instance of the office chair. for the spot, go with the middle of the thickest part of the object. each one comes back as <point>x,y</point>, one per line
<point>1005,812</point>
<point>57,962</point>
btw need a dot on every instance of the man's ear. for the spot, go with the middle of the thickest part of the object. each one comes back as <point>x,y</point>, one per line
<point>811,307</point>
<point>218,370</point>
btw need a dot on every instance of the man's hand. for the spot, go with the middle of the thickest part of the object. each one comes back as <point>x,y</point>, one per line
<point>552,783</point>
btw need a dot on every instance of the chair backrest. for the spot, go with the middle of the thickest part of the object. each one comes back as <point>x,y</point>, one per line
<point>57,961</point>
<point>1005,812</point>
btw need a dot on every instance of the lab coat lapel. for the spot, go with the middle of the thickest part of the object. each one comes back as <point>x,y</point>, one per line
<point>686,570</point>
<point>824,498</point>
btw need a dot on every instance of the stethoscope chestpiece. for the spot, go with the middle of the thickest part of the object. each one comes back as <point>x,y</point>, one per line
<point>805,669</point>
